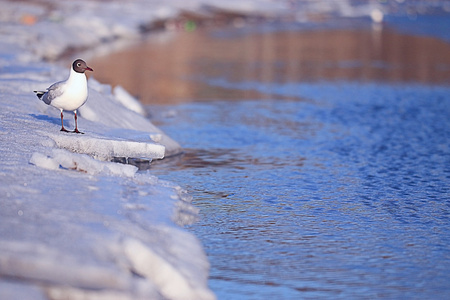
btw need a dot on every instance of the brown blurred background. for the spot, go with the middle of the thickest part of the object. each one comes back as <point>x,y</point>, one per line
<point>171,69</point>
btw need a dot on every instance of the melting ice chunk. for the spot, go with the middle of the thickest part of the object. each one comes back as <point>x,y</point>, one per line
<point>115,143</point>
<point>62,159</point>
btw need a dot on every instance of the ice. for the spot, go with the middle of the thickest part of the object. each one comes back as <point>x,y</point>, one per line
<point>81,163</point>
<point>66,215</point>
<point>114,130</point>
<point>249,7</point>
<point>103,107</point>
<point>108,146</point>
<point>32,261</point>
<point>127,100</point>
<point>12,290</point>
<point>146,262</point>
<point>68,212</point>
<point>74,223</point>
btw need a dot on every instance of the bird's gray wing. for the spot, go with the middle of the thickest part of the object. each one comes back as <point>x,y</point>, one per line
<point>53,91</point>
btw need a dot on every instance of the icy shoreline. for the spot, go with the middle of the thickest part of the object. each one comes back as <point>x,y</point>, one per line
<point>73,224</point>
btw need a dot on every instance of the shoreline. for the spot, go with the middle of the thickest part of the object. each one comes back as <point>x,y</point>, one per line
<point>74,226</point>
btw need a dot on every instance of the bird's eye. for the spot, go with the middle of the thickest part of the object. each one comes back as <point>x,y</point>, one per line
<point>78,64</point>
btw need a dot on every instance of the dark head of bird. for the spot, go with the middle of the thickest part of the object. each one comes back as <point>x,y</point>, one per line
<point>80,66</point>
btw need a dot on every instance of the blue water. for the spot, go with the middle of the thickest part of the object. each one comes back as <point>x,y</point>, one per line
<point>434,25</point>
<point>343,193</point>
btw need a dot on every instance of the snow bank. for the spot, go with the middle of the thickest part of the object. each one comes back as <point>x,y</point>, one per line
<point>73,224</point>
<point>127,100</point>
<point>171,280</point>
<point>53,30</point>
<point>81,163</point>
<point>108,146</point>
<point>104,108</point>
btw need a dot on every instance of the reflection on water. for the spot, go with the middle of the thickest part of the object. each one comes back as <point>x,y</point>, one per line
<point>167,69</point>
<point>344,195</point>
<point>341,197</point>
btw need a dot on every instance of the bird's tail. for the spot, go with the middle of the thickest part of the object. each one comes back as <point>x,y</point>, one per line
<point>39,94</point>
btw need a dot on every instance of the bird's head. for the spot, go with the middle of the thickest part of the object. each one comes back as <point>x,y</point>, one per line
<point>80,66</point>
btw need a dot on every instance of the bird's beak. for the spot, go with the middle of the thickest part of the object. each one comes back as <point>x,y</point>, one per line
<point>89,69</point>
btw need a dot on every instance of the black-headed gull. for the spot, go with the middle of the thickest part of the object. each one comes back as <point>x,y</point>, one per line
<point>69,94</point>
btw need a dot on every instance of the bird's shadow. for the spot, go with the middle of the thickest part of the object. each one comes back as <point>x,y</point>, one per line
<point>49,119</point>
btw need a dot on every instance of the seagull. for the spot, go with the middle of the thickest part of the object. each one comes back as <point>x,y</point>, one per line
<point>69,94</point>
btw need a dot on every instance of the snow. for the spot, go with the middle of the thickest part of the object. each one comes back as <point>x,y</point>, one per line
<point>103,107</point>
<point>107,147</point>
<point>81,163</point>
<point>127,100</point>
<point>73,223</point>
<point>71,219</point>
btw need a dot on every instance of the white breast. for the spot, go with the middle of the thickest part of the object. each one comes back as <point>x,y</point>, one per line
<point>74,93</point>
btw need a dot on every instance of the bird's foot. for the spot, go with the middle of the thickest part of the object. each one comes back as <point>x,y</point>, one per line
<point>64,130</point>
<point>77,131</point>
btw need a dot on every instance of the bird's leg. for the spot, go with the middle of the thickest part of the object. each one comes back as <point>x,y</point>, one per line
<point>76,125</point>
<point>62,123</point>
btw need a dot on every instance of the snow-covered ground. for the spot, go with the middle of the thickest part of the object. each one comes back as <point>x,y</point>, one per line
<point>73,224</point>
